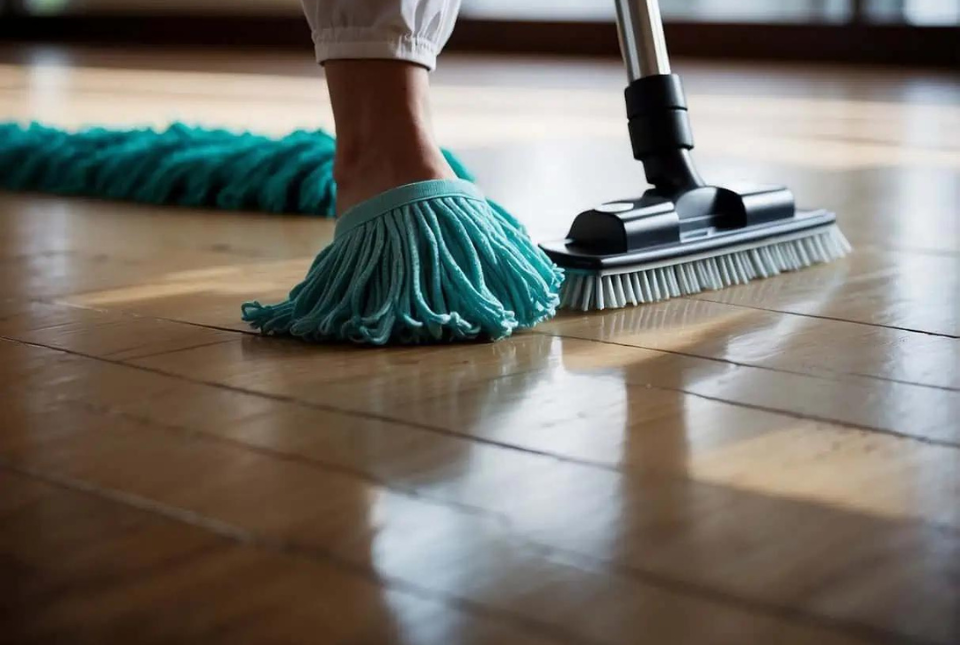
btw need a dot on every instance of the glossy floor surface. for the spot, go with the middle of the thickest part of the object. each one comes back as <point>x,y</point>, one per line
<point>775,463</point>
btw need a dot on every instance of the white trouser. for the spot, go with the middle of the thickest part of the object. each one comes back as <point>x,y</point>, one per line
<point>411,30</point>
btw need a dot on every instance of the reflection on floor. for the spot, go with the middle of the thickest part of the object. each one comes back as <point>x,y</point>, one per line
<point>774,463</point>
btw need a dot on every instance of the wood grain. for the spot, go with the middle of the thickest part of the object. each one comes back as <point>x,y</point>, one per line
<point>81,567</point>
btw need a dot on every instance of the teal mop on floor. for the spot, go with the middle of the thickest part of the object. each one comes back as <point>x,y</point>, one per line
<point>428,262</point>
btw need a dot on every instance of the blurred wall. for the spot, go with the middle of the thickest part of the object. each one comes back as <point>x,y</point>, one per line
<point>260,7</point>
<point>918,12</point>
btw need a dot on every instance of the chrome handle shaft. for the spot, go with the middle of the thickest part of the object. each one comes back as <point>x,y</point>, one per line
<point>642,42</point>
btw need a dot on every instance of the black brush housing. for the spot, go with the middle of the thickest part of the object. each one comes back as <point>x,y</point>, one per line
<point>681,215</point>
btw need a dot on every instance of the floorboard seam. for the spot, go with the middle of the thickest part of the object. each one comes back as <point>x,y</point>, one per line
<point>726,361</point>
<point>823,317</point>
<point>295,458</point>
<point>563,335</point>
<point>753,406</point>
<point>292,549</point>
<point>285,548</point>
<point>483,440</point>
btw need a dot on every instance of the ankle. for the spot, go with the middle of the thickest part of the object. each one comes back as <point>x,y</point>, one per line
<point>384,137</point>
<point>380,158</point>
<point>362,175</point>
<point>363,147</point>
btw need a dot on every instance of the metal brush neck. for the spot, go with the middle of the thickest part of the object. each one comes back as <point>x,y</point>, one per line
<point>642,42</point>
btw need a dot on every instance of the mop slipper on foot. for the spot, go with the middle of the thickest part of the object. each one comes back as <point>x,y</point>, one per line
<point>425,262</point>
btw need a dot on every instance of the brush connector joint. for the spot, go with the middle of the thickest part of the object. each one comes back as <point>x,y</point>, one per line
<point>660,131</point>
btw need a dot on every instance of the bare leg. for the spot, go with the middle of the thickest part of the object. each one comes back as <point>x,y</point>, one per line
<point>384,133</point>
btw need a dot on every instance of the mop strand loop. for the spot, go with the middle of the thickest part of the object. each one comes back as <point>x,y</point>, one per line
<point>426,262</point>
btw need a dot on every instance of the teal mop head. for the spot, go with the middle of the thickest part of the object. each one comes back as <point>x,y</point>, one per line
<point>181,165</point>
<point>426,262</point>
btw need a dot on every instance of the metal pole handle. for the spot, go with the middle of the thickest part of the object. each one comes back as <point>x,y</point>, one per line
<point>642,42</point>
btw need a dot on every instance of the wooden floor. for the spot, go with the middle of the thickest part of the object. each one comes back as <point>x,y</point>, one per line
<point>777,463</point>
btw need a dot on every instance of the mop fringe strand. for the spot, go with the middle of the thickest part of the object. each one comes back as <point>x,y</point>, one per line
<point>426,262</point>
<point>181,165</point>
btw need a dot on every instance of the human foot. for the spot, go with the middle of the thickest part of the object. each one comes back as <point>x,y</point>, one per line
<point>384,134</point>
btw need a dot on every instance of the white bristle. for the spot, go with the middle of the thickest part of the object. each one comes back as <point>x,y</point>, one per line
<point>586,291</point>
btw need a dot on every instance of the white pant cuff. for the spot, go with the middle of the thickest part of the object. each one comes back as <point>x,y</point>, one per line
<point>407,48</point>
